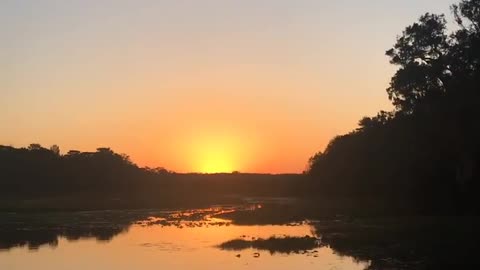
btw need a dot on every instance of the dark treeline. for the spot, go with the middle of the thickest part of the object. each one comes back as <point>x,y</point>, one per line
<point>425,154</point>
<point>38,177</point>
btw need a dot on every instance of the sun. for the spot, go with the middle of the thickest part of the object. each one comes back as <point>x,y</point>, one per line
<point>217,159</point>
<point>217,150</point>
<point>217,165</point>
<point>216,154</point>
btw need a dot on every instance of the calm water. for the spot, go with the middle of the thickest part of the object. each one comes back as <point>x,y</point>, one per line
<point>191,239</point>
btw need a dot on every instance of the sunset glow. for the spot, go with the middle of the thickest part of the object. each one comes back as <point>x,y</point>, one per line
<point>216,157</point>
<point>263,82</point>
<point>216,162</point>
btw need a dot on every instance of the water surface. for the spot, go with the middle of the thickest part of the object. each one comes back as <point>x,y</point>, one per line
<point>183,239</point>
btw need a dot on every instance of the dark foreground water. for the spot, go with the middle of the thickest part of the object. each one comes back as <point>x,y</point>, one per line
<point>229,237</point>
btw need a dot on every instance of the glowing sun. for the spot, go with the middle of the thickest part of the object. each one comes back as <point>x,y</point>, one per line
<point>218,159</point>
<point>217,154</point>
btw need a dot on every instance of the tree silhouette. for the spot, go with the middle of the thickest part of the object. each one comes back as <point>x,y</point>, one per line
<point>55,149</point>
<point>427,152</point>
<point>420,52</point>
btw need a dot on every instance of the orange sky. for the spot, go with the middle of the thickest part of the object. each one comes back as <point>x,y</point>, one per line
<point>254,86</point>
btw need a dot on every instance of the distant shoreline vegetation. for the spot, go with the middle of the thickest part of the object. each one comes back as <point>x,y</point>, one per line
<point>38,177</point>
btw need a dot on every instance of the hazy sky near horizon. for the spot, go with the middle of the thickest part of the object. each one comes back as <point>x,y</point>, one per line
<point>211,85</point>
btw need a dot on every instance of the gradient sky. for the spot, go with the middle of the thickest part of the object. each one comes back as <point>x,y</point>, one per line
<point>190,85</point>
